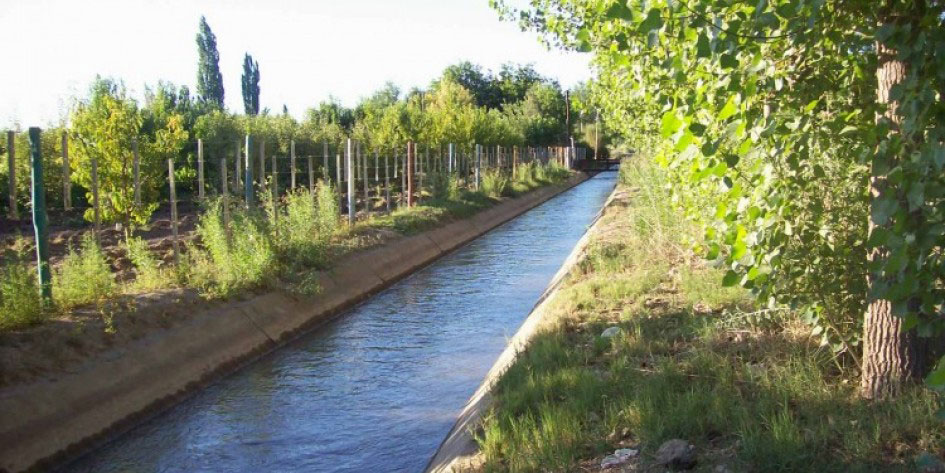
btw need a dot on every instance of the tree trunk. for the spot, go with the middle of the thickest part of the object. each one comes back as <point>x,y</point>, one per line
<point>891,356</point>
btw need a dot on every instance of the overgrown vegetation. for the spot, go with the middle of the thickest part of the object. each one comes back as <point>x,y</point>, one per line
<point>805,138</point>
<point>750,388</point>
<point>84,276</point>
<point>20,304</point>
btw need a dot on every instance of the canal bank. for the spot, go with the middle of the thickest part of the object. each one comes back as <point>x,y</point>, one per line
<point>48,421</point>
<point>459,450</point>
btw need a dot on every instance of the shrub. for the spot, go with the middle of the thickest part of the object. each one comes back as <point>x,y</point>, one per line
<point>148,273</point>
<point>20,303</point>
<point>494,183</point>
<point>220,267</point>
<point>298,238</point>
<point>84,276</point>
<point>328,214</point>
<point>444,186</point>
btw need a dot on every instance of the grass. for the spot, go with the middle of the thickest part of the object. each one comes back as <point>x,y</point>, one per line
<point>693,360</point>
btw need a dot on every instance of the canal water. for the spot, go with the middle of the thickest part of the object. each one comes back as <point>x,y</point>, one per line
<point>377,389</point>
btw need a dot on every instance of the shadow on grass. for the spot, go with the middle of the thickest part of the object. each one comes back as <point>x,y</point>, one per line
<point>754,400</point>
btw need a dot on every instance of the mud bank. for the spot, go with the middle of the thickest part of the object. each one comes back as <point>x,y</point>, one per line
<point>48,421</point>
<point>458,451</point>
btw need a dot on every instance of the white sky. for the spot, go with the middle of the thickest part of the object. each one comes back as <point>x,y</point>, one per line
<point>307,49</point>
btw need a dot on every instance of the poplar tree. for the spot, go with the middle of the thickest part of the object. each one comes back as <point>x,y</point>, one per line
<point>250,85</point>
<point>209,79</point>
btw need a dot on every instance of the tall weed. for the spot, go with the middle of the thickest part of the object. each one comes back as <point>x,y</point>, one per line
<point>20,303</point>
<point>149,275</point>
<point>494,183</point>
<point>223,267</point>
<point>84,276</point>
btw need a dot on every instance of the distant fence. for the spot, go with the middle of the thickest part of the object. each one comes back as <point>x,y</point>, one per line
<point>367,181</point>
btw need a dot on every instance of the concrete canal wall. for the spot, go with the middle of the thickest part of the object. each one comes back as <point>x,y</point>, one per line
<point>47,422</point>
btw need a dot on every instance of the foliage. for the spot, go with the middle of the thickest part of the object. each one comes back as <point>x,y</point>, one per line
<point>767,113</point>
<point>687,363</point>
<point>250,85</point>
<point>209,78</point>
<point>104,127</point>
<point>20,302</point>
<point>149,275</point>
<point>227,264</point>
<point>494,183</point>
<point>328,214</point>
<point>300,230</point>
<point>84,276</point>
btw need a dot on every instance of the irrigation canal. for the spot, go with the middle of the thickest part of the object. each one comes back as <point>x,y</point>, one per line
<point>378,388</point>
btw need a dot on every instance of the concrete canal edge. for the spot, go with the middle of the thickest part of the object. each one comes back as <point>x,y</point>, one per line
<point>45,423</point>
<point>457,452</point>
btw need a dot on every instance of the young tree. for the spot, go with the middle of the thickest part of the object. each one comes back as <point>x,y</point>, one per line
<point>209,78</point>
<point>103,128</point>
<point>250,85</point>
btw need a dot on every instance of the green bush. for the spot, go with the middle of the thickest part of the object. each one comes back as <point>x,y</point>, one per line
<point>222,267</point>
<point>494,183</point>
<point>84,276</point>
<point>149,275</point>
<point>328,214</point>
<point>444,186</point>
<point>297,232</point>
<point>20,303</point>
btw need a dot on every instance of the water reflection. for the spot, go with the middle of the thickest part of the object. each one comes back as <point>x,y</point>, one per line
<point>377,389</point>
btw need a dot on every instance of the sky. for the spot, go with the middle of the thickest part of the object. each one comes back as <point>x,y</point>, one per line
<point>307,49</point>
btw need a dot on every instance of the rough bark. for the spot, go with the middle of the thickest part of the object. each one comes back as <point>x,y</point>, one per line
<point>891,356</point>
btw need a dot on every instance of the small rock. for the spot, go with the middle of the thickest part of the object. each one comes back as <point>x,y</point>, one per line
<point>610,332</point>
<point>676,454</point>
<point>721,469</point>
<point>620,456</point>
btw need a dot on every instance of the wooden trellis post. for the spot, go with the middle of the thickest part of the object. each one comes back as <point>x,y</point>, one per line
<point>387,182</point>
<point>225,195</point>
<point>174,229</point>
<point>411,157</point>
<point>200,168</point>
<point>136,171</point>
<point>96,209</point>
<point>292,164</point>
<point>248,175</point>
<point>11,163</point>
<point>66,174</point>
<point>349,172</point>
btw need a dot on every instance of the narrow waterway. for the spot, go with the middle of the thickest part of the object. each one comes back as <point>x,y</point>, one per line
<point>377,389</point>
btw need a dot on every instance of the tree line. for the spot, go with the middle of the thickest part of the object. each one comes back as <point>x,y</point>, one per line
<point>464,106</point>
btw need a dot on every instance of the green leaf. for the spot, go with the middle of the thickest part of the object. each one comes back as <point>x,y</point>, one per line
<point>703,49</point>
<point>669,124</point>
<point>936,378</point>
<point>730,279</point>
<point>916,195</point>
<point>697,128</point>
<point>728,61</point>
<point>583,38</point>
<point>713,252</point>
<point>728,109</point>
<point>882,209</point>
<point>653,21</point>
<point>731,160</point>
<point>619,11</point>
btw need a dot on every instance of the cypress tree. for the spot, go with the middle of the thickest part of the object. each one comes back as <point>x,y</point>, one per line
<point>209,79</point>
<point>250,85</point>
